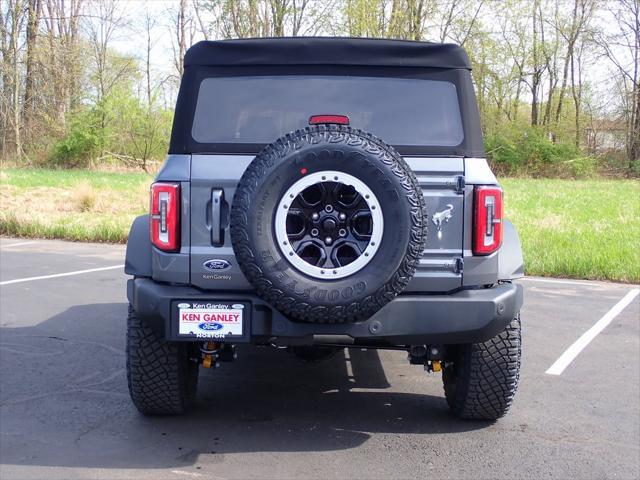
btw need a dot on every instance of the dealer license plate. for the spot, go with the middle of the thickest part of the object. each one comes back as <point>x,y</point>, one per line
<point>210,320</point>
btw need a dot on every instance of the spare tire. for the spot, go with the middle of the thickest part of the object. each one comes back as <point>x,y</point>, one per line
<point>328,224</point>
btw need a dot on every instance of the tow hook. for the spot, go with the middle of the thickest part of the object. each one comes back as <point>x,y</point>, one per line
<point>429,356</point>
<point>213,353</point>
<point>434,361</point>
<point>210,353</point>
<point>435,366</point>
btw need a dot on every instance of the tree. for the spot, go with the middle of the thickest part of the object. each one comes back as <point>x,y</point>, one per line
<point>33,21</point>
<point>183,35</point>
<point>267,18</point>
<point>621,47</point>
<point>106,20</point>
<point>581,14</point>
<point>11,22</point>
<point>149,24</point>
<point>59,73</point>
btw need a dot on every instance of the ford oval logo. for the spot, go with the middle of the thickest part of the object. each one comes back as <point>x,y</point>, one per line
<point>210,326</point>
<point>216,264</point>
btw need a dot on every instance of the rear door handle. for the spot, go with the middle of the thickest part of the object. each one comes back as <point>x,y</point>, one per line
<point>217,234</point>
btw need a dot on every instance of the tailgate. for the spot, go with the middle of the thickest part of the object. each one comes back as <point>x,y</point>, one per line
<point>213,182</point>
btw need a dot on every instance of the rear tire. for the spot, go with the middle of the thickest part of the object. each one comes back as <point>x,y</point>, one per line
<point>162,379</point>
<point>480,379</point>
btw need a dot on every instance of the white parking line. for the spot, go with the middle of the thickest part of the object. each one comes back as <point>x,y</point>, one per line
<point>19,244</point>
<point>574,350</point>
<point>67,274</point>
<point>584,283</point>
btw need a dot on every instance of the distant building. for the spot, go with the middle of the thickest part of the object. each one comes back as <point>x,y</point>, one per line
<point>606,136</point>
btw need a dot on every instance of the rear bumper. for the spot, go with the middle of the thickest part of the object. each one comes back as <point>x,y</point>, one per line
<point>466,316</point>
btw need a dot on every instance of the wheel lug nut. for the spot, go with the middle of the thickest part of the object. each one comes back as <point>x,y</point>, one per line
<point>342,232</point>
<point>328,208</point>
<point>315,216</point>
<point>342,216</point>
<point>314,232</point>
<point>328,240</point>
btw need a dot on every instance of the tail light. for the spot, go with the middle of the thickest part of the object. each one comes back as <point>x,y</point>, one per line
<point>165,216</point>
<point>487,227</point>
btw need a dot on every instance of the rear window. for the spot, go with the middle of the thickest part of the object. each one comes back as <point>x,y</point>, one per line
<point>401,111</point>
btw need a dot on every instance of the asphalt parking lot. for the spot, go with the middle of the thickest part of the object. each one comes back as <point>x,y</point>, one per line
<point>65,411</point>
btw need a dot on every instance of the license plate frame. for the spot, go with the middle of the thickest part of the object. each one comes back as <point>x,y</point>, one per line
<point>211,320</point>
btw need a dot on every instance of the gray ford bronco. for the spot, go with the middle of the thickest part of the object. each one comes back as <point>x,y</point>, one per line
<point>323,193</point>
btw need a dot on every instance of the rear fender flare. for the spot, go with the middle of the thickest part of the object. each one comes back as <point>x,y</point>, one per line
<point>138,256</point>
<point>510,260</point>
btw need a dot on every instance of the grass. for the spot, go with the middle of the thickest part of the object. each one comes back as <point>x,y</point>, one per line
<point>577,228</point>
<point>569,228</point>
<point>78,205</point>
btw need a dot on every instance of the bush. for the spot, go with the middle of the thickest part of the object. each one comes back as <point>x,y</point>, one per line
<point>81,143</point>
<point>119,127</point>
<point>138,133</point>
<point>579,167</point>
<point>85,197</point>
<point>530,152</point>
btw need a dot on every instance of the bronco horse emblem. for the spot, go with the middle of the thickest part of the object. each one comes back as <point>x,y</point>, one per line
<point>444,216</point>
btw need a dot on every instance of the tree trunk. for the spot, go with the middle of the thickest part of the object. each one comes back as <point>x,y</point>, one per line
<point>516,103</point>
<point>634,143</point>
<point>29,84</point>
<point>4,72</point>
<point>547,108</point>
<point>415,32</point>
<point>148,25</point>
<point>535,79</point>
<point>73,61</point>
<point>551,60</point>
<point>278,14</point>
<point>575,92</point>
<point>563,87</point>
<point>571,41</point>
<point>634,150</point>
<point>181,36</point>
<point>16,119</point>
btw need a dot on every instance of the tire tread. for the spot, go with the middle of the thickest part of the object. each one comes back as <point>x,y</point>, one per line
<point>160,376</point>
<point>482,382</point>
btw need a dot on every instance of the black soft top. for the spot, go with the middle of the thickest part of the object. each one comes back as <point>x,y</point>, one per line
<point>327,51</point>
<point>325,56</point>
